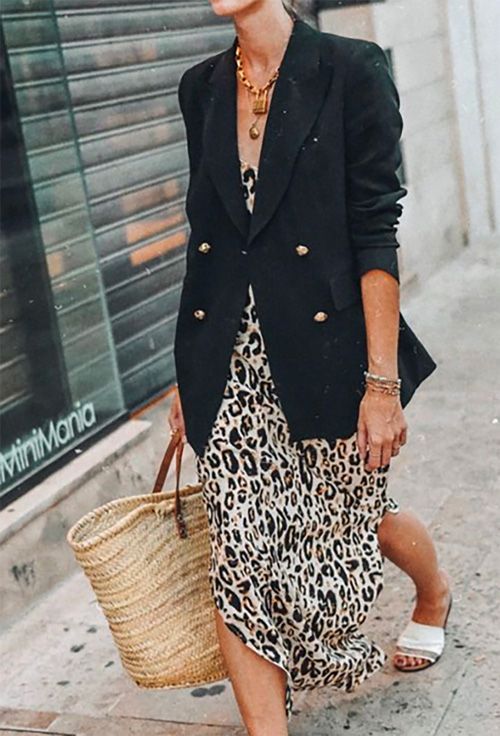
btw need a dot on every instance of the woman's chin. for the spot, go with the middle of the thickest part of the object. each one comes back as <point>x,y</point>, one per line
<point>225,8</point>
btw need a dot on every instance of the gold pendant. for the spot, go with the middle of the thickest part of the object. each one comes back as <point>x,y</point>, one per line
<point>260,103</point>
<point>253,131</point>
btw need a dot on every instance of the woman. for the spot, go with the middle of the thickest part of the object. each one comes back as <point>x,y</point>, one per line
<point>293,360</point>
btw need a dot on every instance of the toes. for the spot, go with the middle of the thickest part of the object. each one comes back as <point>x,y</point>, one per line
<point>401,660</point>
<point>408,661</point>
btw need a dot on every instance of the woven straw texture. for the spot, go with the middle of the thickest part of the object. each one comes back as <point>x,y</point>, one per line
<point>153,586</point>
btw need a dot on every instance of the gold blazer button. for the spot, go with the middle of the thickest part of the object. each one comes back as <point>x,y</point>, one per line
<point>321,316</point>
<point>302,250</point>
<point>204,247</point>
<point>199,314</point>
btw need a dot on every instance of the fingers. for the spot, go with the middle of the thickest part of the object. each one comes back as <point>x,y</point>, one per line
<point>176,423</point>
<point>379,453</point>
<point>176,418</point>
<point>178,428</point>
<point>375,452</point>
<point>399,440</point>
<point>386,452</point>
<point>361,439</point>
<point>403,436</point>
<point>173,418</point>
<point>381,448</point>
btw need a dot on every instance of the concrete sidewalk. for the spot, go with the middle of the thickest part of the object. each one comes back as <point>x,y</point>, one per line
<point>60,671</point>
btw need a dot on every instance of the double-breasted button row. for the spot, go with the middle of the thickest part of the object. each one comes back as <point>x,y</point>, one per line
<point>318,317</point>
<point>300,249</point>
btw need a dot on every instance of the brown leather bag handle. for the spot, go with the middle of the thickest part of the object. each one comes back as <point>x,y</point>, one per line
<point>176,445</point>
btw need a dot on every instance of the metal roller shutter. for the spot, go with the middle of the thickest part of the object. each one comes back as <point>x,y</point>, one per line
<point>123,62</point>
<point>106,74</point>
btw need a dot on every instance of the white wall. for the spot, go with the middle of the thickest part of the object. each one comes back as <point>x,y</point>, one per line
<point>447,162</point>
<point>471,75</point>
<point>486,14</point>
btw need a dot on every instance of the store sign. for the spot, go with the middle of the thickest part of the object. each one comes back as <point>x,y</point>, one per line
<point>44,442</point>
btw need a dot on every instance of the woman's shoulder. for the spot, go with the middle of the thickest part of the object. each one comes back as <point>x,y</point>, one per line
<point>201,70</point>
<point>191,84</point>
<point>351,51</point>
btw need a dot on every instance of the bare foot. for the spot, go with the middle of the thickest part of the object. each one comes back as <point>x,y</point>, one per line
<point>431,611</point>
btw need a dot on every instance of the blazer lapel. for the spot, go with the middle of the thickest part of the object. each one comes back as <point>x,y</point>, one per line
<point>299,91</point>
<point>220,139</point>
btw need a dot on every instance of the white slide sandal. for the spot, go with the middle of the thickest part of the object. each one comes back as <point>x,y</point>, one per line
<point>422,641</point>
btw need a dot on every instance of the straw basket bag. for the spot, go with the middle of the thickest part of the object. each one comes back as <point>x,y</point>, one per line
<point>147,559</point>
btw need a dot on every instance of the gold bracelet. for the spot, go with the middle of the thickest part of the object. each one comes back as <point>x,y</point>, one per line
<point>391,390</point>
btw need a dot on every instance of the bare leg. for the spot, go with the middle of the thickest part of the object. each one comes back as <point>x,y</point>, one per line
<point>405,540</point>
<point>258,684</point>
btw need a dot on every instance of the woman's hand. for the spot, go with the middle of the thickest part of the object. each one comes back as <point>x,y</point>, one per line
<point>381,429</point>
<point>176,417</point>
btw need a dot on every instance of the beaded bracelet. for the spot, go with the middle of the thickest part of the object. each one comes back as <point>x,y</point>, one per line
<point>382,379</point>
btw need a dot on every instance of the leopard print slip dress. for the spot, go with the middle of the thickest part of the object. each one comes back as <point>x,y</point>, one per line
<point>295,562</point>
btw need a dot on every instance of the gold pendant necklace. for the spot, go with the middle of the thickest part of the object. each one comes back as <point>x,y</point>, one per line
<point>260,103</point>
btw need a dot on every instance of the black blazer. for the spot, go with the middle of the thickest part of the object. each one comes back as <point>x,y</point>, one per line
<point>327,180</point>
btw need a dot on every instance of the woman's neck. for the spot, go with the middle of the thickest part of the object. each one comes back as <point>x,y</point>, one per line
<point>262,35</point>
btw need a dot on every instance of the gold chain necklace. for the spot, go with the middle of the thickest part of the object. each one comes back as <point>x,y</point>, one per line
<point>259,106</point>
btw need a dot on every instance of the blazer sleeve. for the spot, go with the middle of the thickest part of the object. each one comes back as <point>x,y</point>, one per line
<point>373,127</point>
